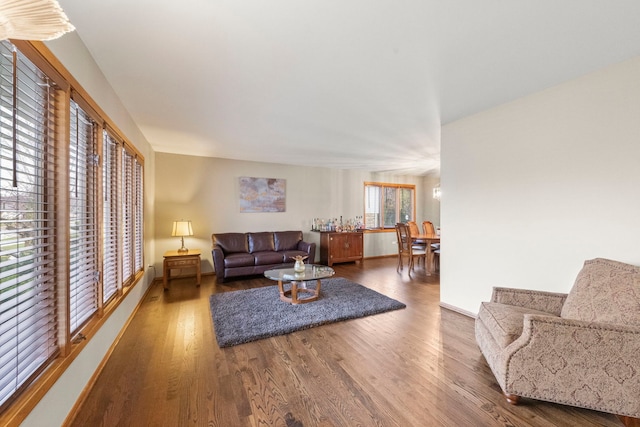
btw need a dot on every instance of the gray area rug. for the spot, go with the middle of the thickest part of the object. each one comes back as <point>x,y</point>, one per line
<point>253,314</point>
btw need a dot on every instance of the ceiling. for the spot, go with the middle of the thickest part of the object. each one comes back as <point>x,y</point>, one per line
<point>358,84</point>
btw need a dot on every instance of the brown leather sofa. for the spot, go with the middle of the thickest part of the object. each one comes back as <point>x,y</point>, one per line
<point>247,254</point>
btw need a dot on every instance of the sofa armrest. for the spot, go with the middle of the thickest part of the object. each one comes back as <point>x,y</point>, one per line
<point>588,364</point>
<point>218,262</point>
<point>549,302</point>
<point>310,249</point>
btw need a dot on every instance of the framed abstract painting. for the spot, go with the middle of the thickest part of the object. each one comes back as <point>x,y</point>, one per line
<point>262,194</point>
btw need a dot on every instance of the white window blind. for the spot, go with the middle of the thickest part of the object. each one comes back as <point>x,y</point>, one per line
<point>83,233</point>
<point>138,212</point>
<point>111,278</point>
<point>372,207</point>
<point>127,216</point>
<point>28,323</point>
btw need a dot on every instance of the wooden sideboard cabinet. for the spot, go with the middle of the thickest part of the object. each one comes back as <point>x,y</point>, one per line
<point>340,247</point>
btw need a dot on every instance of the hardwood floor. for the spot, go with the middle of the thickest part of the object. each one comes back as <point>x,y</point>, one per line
<point>414,367</point>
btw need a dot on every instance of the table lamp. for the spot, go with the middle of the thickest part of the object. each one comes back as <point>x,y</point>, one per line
<point>180,229</point>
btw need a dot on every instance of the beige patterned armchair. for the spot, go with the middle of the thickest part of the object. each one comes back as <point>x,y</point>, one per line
<point>580,349</point>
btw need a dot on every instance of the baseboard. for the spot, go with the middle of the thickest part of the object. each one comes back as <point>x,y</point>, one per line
<point>458,310</point>
<point>380,256</point>
<point>181,276</point>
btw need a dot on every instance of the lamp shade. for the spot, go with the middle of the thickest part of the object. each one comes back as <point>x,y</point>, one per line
<point>181,228</point>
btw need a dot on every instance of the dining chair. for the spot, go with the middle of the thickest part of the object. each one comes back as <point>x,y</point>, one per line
<point>428,228</point>
<point>403,250</point>
<point>413,228</point>
<point>406,248</point>
<point>414,231</point>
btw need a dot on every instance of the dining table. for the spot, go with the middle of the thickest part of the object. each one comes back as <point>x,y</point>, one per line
<point>428,240</point>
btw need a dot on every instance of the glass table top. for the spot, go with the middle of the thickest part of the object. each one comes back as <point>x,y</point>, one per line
<point>310,272</point>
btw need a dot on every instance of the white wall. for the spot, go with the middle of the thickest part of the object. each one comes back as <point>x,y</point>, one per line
<point>533,188</point>
<point>205,190</point>
<point>56,404</point>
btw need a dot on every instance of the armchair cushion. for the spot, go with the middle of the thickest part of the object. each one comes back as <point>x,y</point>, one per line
<point>605,291</point>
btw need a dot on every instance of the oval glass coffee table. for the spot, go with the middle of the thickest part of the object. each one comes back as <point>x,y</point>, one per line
<point>297,293</point>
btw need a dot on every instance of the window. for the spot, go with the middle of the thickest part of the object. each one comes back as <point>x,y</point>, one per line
<point>132,203</point>
<point>128,222</point>
<point>71,220</point>
<point>138,204</point>
<point>111,282</point>
<point>387,204</point>
<point>83,219</point>
<point>28,311</point>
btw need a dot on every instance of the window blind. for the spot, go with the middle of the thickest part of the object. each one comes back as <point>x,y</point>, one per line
<point>127,216</point>
<point>28,323</point>
<point>389,203</point>
<point>138,211</point>
<point>111,281</point>
<point>83,256</point>
<point>372,208</point>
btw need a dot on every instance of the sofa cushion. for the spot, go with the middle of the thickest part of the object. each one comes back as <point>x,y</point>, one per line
<point>287,240</point>
<point>231,242</point>
<point>238,259</point>
<point>259,242</point>
<point>605,291</point>
<point>268,257</point>
<point>504,321</point>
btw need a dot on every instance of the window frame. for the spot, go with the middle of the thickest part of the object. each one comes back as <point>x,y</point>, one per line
<point>383,187</point>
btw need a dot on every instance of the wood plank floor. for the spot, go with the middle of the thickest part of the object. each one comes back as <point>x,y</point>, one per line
<point>414,367</point>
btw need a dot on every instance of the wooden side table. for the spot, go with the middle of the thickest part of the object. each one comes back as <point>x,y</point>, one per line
<point>175,259</point>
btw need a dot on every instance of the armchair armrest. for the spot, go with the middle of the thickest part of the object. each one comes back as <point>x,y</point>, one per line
<point>550,302</point>
<point>309,248</point>
<point>587,364</point>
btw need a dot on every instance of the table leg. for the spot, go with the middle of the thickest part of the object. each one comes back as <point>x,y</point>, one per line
<point>198,274</point>
<point>165,275</point>
<point>291,296</point>
<point>428,260</point>
<point>281,289</point>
